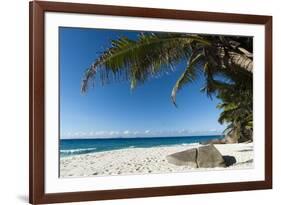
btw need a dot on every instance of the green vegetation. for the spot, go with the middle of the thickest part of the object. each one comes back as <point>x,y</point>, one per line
<point>226,62</point>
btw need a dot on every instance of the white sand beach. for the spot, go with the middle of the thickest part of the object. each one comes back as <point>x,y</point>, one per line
<point>146,160</point>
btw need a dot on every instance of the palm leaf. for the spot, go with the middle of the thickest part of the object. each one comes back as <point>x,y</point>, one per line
<point>141,58</point>
<point>187,76</point>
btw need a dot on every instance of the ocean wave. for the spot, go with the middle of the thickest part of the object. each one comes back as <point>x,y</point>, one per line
<point>190,144</point>
<point>77,151</point>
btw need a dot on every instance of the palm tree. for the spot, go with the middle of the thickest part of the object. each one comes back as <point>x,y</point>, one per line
<point>237,106</point>
<point>152,54</point>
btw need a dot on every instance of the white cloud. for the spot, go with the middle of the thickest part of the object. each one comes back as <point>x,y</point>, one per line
<point>144,133</point>
<point>68,134</point>
<point>77,134</point>
<point>100,132</point>
<point>183,131</point>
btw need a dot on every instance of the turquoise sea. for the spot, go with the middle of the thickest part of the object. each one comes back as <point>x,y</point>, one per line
<point>70,147</point>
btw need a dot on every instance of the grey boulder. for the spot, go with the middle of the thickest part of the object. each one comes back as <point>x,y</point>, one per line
<point>184,158</point>
<point>209,157</point>
<point>201,157</point>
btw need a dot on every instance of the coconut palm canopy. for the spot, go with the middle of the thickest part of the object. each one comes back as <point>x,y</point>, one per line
<point>226,62</point>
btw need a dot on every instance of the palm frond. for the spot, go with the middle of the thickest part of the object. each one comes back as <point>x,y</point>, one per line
<point>187,76</point>
<point>141,58</point>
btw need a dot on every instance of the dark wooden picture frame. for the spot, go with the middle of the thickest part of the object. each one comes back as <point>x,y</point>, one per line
<point>37,193</point>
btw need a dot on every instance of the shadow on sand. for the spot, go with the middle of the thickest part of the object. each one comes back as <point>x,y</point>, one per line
<point>229,160</point>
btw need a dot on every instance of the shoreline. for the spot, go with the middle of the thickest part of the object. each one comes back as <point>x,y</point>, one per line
<point>151,160</point>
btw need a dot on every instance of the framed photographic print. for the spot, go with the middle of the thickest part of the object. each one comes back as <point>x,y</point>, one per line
<point>139,102</point>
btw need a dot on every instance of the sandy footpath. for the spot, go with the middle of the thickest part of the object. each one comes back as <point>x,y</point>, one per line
<point>145,160</point>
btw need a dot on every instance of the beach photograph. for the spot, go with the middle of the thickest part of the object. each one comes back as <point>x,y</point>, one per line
<point>145,102</point>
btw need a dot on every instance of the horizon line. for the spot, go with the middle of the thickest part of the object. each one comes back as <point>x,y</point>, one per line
<point>132,137</point>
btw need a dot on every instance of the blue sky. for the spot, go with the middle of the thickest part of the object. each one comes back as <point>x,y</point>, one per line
<point>114,110</point>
